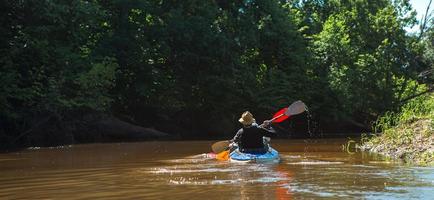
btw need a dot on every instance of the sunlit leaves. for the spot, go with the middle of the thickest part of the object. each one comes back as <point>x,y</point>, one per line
<point>364,48</point>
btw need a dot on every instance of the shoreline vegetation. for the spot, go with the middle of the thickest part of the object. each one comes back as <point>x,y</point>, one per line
<point>95,71</point>
<point>407,134</point>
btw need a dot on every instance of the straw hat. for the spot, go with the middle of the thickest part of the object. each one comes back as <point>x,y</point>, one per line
<point>246,118</point>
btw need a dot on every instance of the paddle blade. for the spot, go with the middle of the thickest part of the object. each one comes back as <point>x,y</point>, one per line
<point>220,146</point>
<point>280,116</point>
<point>223,156</point>
<point>295,108</point>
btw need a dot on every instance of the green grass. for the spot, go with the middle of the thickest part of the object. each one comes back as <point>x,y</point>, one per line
<point>407,134</point>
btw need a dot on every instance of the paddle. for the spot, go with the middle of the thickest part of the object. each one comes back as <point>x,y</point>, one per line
<point>294,109</point>
<point>220,146</point>
<point>223,156</point>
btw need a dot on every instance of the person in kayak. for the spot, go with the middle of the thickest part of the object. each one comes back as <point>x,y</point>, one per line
<point>250,138</point>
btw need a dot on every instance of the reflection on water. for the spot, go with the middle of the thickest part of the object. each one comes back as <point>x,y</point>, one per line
<point>309,169</point>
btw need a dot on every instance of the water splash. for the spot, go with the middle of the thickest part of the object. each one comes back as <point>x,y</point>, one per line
<point>312,125</point>
<point>309,119</point>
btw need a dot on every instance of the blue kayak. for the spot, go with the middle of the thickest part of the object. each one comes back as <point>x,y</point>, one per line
<point>270,156</point>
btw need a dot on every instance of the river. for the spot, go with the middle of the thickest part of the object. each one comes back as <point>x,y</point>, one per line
<point>309,169</point>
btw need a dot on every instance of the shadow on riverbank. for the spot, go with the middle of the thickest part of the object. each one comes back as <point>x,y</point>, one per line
<point>94,128</point>
<point>53,131</point>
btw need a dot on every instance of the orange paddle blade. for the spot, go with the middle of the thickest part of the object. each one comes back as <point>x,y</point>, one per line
<point>223,156</point>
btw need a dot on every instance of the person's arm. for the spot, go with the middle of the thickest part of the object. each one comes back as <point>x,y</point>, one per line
<point>268,130</point>
<point>237,136</point>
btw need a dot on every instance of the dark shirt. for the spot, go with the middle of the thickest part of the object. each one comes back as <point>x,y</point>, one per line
<point>251,138</point>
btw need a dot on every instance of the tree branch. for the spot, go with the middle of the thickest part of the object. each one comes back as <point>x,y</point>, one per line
<point>424,20</point>
<point>416,95</point>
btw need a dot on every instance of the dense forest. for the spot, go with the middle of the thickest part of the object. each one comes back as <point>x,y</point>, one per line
<point>191,67</point>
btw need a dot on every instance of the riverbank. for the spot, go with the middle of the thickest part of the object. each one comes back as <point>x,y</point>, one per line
<point>412,142</point>
<point>91,128</point>
<point>406,135</point>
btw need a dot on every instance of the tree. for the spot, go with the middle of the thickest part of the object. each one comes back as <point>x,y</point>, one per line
<point>47,62</point>
<point>364,48</point>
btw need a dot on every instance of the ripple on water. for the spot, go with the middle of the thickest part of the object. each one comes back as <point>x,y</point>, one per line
<point>174,170</point>
<point>290,156</point>
<point>194,170</point>
<point>200,158</point>
<point>315,163</point>
<point>193,181</point>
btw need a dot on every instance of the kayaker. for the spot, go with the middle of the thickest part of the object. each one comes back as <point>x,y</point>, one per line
<point>250,138</point>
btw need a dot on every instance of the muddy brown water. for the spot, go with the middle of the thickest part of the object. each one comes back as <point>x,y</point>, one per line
<point>309,169</point>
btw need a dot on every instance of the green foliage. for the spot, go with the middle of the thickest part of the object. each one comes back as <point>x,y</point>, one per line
<point>363,46</point>
<point>428,53</point>
<point>95,84</point>
<point>421,107</point>
<point>47,61</point>
<point>197,62</point>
